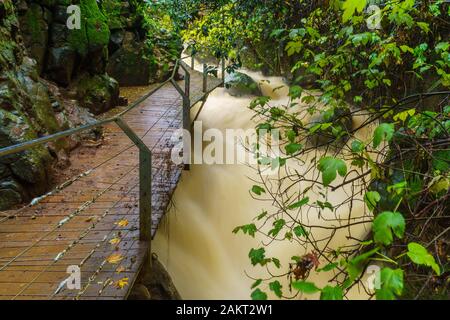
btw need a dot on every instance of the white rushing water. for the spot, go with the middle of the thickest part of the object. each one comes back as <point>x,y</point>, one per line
<point>195,241</point>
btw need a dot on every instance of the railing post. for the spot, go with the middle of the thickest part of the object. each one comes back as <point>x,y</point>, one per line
<point>187,128</point>
<point>223,72</point>
<point>205,78</point>
<point>187,84</point>
<point>145,185</point>
<point>192,62</point>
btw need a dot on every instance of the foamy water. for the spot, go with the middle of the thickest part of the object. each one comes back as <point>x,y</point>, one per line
<point>195,241</point>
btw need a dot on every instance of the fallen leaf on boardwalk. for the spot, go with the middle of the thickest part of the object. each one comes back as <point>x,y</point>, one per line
<point>90,219</point>
<point>122,223</point>
<point>122,283</point>
<point>121,269</point>
<point>115,258</point>
<point>114,241</point>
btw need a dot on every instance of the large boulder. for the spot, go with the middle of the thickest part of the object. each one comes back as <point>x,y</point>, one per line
<point>239,84</point>
<point>98,93</point>
<point>34,28</point>
<point>129,65</point>
<point>60,65</point>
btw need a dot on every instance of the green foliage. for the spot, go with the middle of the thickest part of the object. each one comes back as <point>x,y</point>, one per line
<point>397,77</point>
<point>372,198</point>
<point>330,167</point>
<point>419,255</point>
<point>259,295</point>
<point>352,6</point>
<point>94,32</point>
<point>391,284</point>
<point>305,287</point>
<point>387,223</point>
<point>332,293</point>
<point>258,256</point>
<point>276,287</point>
<point>384,132</point>
<point>258,190</point>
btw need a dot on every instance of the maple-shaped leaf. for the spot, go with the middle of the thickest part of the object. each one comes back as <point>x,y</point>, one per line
<point>115,258</point>
<point>122,283</point>
<point>122,223</point>
<point>350,6</point>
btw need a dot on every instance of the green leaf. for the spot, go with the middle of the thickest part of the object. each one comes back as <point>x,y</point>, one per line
<point>277,226</point>
<point>293,148</point>
<point>357,146</point>
<point>300,231</point>
<point>258,295</point>
<point>258,190</point>
<point>295,92</point>
<point>386,223</point>
<point>275,287</point>
<point>299,204</point>
<point>356,266</point>
<point>276,262</point>
<point>371,199</point>
<point>384,132</point>
<point>329,166</point>
<point>249,229</point>
<point>256,283</point>
<point>328,267</point>
<point>262,215</point>
<point>257,256</point>
<point>350,6</point>
<point>391,284</point>
<point>332,293</point>
<point>305,287</point>
<point>420,255</point>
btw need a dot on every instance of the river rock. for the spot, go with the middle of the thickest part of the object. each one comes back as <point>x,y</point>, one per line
<point>239,84</point>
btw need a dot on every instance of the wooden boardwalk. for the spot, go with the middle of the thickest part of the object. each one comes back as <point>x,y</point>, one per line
<point>93,223</point>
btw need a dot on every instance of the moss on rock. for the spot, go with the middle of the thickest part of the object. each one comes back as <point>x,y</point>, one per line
<point>94,31</point>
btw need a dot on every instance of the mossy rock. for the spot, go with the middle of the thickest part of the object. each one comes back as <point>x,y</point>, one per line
<point>97,93</point>
<point>129,66</point>
<point>94,32</point>
<point>61,64</point>
<point>34,29</point>
<point>11,194</point>
<point>29,166</point>
<point>240,84</point>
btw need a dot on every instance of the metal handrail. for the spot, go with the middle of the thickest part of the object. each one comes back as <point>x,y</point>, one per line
<point>145,154</point>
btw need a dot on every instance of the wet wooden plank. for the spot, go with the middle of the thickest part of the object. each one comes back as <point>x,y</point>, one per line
<point>96,217</point>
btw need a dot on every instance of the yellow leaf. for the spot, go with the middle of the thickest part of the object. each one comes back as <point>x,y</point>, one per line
<point>114,241</point>
<point>115,258</point>
<point>122,223</point>
<point>122,283</point>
